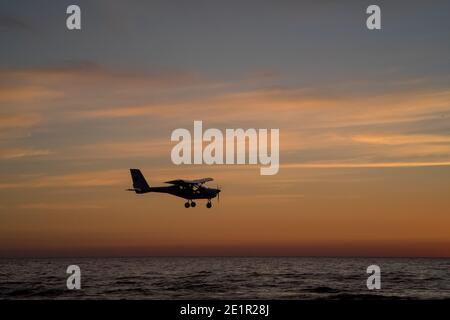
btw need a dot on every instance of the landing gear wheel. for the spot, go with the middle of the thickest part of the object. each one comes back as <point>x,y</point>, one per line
<point>209,205</point>
<point>193,204</point>
<point>187,205</point>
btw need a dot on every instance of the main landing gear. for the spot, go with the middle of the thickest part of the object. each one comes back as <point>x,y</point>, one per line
<point>190,203</point>
<point>209,204</point>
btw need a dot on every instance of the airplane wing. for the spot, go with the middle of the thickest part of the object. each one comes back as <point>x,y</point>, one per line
<point>189,182</point>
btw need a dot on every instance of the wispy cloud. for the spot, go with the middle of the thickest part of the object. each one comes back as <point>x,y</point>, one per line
<point>15,153</point>
<point>71,180</point>
<point>301,108</point>
<point>151,148</point>
<point>89,75</point>
<point>397,139</point>
<point>9,22</point>
<point>27,94</point>
<point>58,206</point>
<point>123,112</point>
<point>18,120</point>
<point>364,165</point>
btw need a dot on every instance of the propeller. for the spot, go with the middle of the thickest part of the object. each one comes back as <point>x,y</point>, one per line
<point>218,194</point>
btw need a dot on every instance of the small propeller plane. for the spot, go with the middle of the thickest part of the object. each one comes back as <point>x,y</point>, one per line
<point>187,189</point>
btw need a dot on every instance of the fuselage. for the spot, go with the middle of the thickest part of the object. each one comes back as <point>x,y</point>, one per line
<point>198,192</point>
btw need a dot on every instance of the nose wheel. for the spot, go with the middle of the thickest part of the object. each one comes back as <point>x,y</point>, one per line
<point>209,204</point>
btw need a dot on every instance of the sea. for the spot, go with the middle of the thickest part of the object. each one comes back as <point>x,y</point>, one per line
<point>271,278</point>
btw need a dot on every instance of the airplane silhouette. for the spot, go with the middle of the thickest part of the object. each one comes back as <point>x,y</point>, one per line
<point>187,189</point>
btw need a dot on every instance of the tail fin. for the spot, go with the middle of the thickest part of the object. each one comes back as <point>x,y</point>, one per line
<point>139,183</point>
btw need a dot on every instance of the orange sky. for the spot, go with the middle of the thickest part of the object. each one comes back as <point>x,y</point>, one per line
<point>364,148</point>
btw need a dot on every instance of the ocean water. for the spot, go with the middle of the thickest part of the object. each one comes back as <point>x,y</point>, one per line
<point>225,278</point>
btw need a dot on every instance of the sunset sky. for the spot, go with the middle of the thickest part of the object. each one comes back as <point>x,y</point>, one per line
<point>364,119</point>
